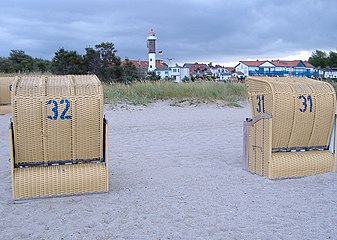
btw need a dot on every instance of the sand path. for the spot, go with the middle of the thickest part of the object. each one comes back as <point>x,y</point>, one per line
<point>175,173</point>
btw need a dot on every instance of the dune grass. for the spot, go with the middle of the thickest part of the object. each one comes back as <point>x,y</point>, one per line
<point>142,93</point>
<point>333,83</point>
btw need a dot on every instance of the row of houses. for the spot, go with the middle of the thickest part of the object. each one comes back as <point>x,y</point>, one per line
<point>196,70</point>
<point>188,70</point>
<point>280,68</point>
<point>177,73</point>
<point>203,70</point>
<point>283,68</point>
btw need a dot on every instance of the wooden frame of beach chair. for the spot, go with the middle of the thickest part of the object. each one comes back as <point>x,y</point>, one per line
<point>291,129</point>
<point>5,94</point>
<point>58,137</point>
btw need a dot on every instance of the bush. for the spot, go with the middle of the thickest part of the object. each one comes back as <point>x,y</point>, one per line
<point>146,92</point>
<point>185,79</point>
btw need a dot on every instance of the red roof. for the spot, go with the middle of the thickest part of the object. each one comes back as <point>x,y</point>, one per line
<point>145,64</point>
<point>140,63</point>
<point>253,63</point>
<point>239,73</point>
<point>290,63</point>
<point>160,64</point>
<point>230,69</point>
<point>277,63</point>
<point>199,68</point>
<point>307,64</point>
<point>285,63</point>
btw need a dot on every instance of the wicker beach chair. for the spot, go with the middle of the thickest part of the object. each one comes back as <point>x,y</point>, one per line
<point>291,132</point>
<point>58,136</point>
<point>5,94</point>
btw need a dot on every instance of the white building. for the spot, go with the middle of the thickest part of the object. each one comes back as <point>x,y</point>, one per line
<point>248,66</point>
<point>176,73</point>
<point>328,73</point>
<point>221,73</point>
<point>277,68</point>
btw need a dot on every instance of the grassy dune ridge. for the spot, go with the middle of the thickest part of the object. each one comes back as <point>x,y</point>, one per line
<point>333,83</point>
<point>147,92</point>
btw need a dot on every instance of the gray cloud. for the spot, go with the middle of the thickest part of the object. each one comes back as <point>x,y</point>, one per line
<point>187,30</point>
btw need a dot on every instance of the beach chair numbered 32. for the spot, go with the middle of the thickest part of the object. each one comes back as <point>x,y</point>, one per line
<point>291,132</point>
<point>58,136</point>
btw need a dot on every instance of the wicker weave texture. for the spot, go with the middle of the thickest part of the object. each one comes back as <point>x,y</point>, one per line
<point>259,144</point>
<point>59,180</point>
<point>302,109</point>
<point>263,162</point>
<point>5,90</point>
<point>57,118</point>
<point>61,155</point>
<point>295,164</point>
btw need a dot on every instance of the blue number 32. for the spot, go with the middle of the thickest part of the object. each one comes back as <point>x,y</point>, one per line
<point>55,109</point>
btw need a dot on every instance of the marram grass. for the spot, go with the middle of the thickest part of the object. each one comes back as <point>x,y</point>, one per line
<point>142,93</point>
<point>333,83</point>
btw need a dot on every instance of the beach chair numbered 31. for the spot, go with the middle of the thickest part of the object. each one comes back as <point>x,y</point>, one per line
<point>291,131</point>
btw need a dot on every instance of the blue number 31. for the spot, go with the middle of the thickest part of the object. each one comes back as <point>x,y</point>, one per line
<point>55,109</point>
<point>304,103</point>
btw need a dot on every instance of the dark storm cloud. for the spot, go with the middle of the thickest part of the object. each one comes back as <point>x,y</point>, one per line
<point>187,30</point>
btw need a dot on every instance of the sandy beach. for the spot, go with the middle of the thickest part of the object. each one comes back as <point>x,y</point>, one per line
<point>175,173</point>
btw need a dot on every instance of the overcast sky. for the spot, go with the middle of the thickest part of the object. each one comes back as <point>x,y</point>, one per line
<point>218,31</point>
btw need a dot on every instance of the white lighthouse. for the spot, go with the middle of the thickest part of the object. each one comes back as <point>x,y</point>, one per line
<point>151,45</point>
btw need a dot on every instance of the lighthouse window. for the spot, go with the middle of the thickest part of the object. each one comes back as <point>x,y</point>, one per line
<point>150,59</point>
<point>150,66</point>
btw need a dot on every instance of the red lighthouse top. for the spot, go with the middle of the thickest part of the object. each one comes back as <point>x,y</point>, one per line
<point>152,32</point>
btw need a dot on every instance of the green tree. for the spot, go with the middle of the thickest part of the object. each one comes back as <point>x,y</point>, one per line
<point>332,60</point>
<point>153,77</point>
<point>6,65</point>
<point>20,61</point>
<point>185,79</point>
<point>68,62</point>
<point>92,60</point>
<point>319,59</point>
<point>103,62</point>
<point>130,72</point>
<point>107,54</point>
<point>42,65</point>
